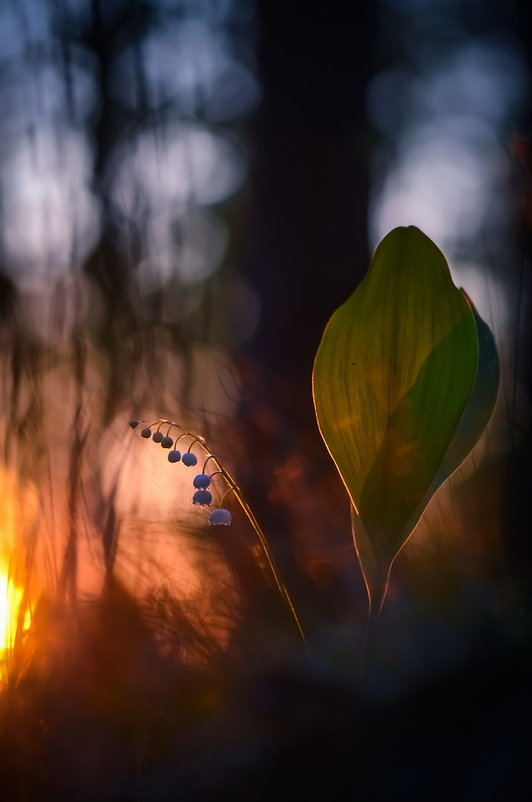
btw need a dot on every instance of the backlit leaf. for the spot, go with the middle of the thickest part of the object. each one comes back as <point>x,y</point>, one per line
<point>404,382</point>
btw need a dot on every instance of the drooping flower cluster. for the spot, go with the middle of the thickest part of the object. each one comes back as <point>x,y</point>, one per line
<point>159,431</point>
<point>202,481</point>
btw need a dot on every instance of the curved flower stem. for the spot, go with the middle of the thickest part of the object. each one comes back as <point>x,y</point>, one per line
<point>205,465</point>
<point>234,487</point>
<point>281,587</point>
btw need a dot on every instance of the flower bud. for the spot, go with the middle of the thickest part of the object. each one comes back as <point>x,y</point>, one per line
<point>202,497</point>
<point>220,517</point>
<point>202,481</point>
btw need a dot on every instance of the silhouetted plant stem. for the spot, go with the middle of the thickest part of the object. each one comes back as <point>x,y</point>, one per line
<point>233,487</point>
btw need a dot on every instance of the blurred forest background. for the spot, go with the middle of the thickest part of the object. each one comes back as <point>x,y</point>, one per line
<point>188,189</point>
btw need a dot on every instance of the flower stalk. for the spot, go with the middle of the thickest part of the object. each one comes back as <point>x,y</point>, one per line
<point>232,487</point>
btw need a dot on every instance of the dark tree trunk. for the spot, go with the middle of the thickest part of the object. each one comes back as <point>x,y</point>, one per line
<point>307,252</point>
<point>309,180</point>
<point>519,479</point>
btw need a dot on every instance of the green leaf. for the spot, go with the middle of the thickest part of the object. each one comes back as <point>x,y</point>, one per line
<point>476,414</point>
<point>403,386</point>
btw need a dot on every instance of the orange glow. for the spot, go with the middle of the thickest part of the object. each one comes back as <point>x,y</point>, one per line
<point>18,510</point>
<point>10,624</point>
